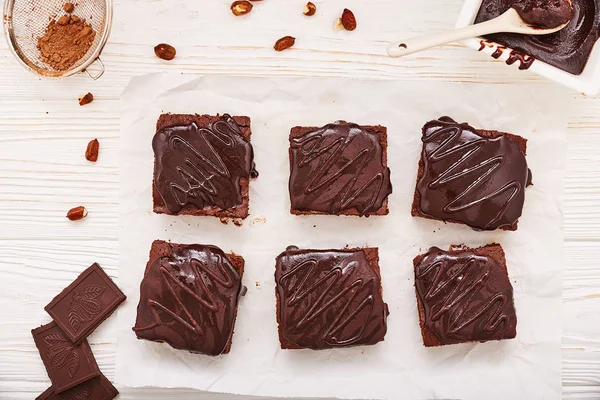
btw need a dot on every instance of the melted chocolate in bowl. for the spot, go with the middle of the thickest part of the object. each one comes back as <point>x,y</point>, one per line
<point>545,13</point>
<point>567,49</point>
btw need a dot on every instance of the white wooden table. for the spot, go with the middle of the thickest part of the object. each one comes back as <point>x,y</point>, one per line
<point>43,134</point>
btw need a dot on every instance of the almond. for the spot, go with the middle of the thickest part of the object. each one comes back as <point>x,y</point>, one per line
<point>165,51</point>
<point>310,9</point>
<point>338,25</point>
<point>77,213</point>
<point>87,99</point>
<point>284,43</point>
<point>91,153</point>
<point>242,7</point>
<point>348,20</point>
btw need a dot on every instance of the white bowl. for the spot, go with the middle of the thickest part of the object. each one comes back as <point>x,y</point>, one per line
<point>588,82</point>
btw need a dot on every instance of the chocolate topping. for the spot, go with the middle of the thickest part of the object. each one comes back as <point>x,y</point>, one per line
<point>471,177</point>
<point>567,49</point>
<point>465,296</point>
<point>544,13</point>
<point>202,166</point>
<point>337,168</point>
<point>188,298</point>
<point>329,298</point>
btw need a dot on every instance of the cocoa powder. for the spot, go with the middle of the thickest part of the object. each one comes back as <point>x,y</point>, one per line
<point>65,41</point>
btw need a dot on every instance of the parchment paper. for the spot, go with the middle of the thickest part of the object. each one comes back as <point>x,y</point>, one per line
<point>400,367</point>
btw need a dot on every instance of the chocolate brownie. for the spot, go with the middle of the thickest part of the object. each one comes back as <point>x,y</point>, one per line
<point>470,176</point>
<point>202,165</point>
<point>329,298</point>
<point>339,169</point>
<point>189,297</point>
<point>464,295</point>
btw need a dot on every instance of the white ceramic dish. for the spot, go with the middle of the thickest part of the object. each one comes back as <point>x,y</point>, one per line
<point>588,82</point>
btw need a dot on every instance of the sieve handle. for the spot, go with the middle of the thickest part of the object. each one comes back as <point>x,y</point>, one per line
<point>100,71</point>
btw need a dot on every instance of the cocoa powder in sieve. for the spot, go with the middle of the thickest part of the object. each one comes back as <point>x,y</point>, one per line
<point>65,41</point>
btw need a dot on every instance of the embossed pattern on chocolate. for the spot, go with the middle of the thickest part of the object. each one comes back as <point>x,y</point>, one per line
<point>339,169</point>
<point>98,388</point>
<point>329,298</point>
<point>201,166</point>
<point>474,177</point>
<point>67,364</point>
<point>464,296</point>
<point>189,297</point>
<point>83,305</point>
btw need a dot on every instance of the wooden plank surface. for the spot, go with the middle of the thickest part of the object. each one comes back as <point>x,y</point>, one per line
<point>43,134</point>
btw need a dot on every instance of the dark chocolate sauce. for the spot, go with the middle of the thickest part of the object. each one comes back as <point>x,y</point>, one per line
<point>329,298</point>
<point>202,166</point>
<point>544,13</point>
<point>498,52</point>
<point>189,299</point>
<point>465,297</point>
<point>477,180</point>
<point>337,168</point>
<point>525,61</point>
<point>567,49</point>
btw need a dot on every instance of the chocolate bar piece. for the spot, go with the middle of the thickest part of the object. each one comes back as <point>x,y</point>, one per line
<point>329,298</point>
<point>189,297</point>
<point>202,165</point>
<point>339,169</point>
<point>464,295</point>
<point>67,365</point>
<point>98,388</point>
<point>471,176</point>
<point>83,305</point>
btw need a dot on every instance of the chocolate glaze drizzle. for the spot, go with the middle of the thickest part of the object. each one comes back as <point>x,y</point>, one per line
<point>189,300</point>
<point>567,49</point>
<point>337,168</point>
<point>470,178</point>
<point>466,297</point>
<point>202,166</point>
<point>329,298</point>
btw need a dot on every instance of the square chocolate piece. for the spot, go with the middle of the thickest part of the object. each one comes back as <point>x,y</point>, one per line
<point>202,165</point>
<point>470,176</point>
<point>83,305</point>
<point>67,365</point>
<point>464,295</point>
<point>98,388</point>
<point>189,297</point>
<point>329,298</point>
<point>339,169</point>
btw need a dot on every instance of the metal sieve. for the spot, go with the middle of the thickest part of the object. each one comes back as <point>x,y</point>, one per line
<point>26,20</point>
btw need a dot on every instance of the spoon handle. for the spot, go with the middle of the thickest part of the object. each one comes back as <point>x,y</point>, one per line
<point>415,44</point>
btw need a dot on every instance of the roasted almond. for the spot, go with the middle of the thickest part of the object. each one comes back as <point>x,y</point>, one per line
<point>348,20</point>
<point>242,7</point>
<point>310,9</point>
<point>284,43</point>
<point>165,51</point>
<point>91,153</point>
<point>87,99</point>
<point>77,213</point>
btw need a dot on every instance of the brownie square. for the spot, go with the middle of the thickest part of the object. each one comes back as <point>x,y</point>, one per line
<point>202,165</point>
<point>98,388</point>
<point>189,297</point>
<point>471,176</point>
<point>329,298</point>
<point>339,169</point>
<point>83,305</point>
<point>67,365</point>
<point>464,295</point>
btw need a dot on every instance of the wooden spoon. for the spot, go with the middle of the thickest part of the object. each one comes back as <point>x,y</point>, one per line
<point>510,21</point>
